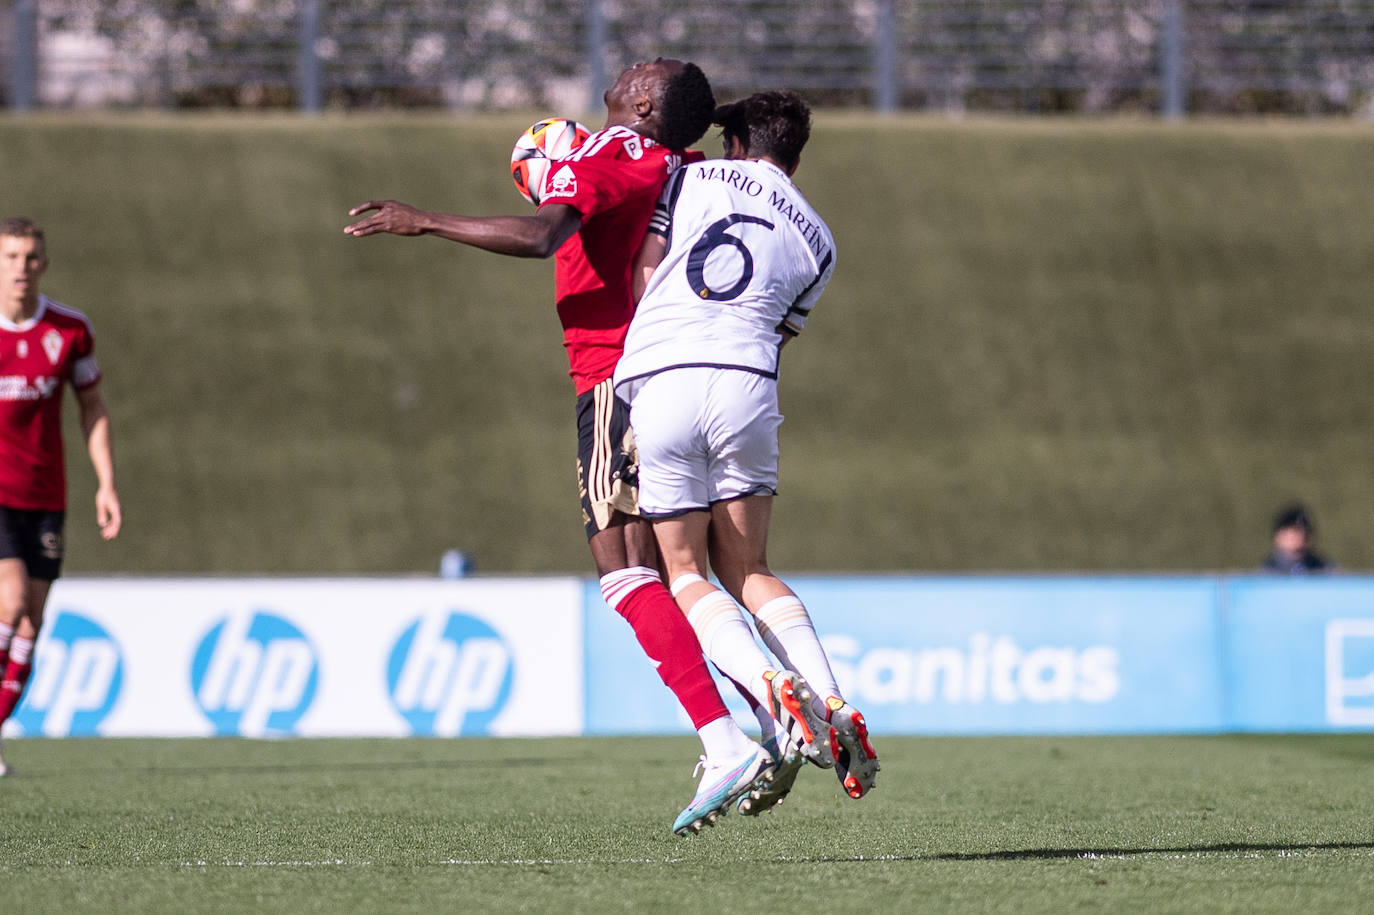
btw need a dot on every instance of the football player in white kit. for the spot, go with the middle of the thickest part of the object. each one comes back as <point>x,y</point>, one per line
<point>734,261</point>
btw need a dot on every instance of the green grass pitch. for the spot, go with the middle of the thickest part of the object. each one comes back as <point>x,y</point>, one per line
<point>1176,824</point>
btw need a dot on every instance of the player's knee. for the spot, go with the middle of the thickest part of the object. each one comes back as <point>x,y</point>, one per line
<point>12,606</point>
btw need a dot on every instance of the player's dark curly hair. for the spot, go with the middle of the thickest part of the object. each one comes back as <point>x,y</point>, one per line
<point>20,227</point>
<point>773,124</point>
<point>688,106</point>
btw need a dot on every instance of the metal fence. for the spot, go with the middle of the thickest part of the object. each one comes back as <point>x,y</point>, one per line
<point>1169,56</point>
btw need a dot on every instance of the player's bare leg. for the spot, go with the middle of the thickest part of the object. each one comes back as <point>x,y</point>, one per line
<point>14,592</point>
<point>734,766</point>
<point>726,636</point>
<point>739,537</point>
<point>21,599</point>
<point>13,598</point>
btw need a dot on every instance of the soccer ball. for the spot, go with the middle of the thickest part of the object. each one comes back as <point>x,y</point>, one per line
<point>538,148</point>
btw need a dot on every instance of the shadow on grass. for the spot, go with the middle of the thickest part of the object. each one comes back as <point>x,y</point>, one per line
<point>1039,854</point>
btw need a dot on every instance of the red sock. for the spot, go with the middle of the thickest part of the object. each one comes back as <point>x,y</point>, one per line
<point>12,687</point>
<point>667,638</point>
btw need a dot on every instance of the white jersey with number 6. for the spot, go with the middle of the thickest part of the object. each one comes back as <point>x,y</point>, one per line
<point>747,258</point>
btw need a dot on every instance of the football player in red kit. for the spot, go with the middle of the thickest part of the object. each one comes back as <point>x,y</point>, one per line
<point>44,345</point>
<point>595,208</point>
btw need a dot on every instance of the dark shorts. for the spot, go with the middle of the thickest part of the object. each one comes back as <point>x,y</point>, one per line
<point>607,467</point>
<point>36,538</point>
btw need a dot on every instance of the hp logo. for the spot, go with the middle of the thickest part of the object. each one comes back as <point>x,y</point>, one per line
<point>449,676</point>
<point>254,676</point>
<point>76,680</point>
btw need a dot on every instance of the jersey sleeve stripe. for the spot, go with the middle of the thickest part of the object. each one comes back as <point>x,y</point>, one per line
<point>795,320</point>
<point>85,372</point>
<point>55,306</point>
<point>661,223</point>
<point>597,142</point>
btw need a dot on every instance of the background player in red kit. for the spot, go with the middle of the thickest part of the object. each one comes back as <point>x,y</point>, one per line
<point>596,207</point>
<point>43,346</point>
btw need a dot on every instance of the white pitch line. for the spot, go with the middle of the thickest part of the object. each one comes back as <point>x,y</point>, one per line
<point>336,862</point>
<point>558,862</point>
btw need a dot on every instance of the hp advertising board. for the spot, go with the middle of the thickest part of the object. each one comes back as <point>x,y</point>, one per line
<point>255,675</point>
<point>450,675</point>
<point>74,689</point>
<point>508,657</point>
<point>308,658</point>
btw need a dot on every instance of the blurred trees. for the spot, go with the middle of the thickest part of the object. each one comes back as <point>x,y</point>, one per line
<point>1314,56</point>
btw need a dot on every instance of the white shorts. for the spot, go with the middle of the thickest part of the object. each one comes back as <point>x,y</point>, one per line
<point>704,435</point>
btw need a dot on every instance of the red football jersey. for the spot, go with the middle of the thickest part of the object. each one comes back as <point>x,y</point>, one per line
<point>613,180</point>
<point>37,357</point>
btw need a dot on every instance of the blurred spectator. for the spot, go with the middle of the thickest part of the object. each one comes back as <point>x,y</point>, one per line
<point>1292,553</point>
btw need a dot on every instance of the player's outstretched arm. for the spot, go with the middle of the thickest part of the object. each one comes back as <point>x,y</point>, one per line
<point>539,235</point>
<point>95,425</point>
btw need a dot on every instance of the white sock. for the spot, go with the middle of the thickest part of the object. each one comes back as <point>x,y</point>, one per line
<point>620,584</point>
<point>728,640</point>
<point>6,633</point>
<point>768,725</point>
<point>20,650</point>
<point>787,630</point>
<point>723,740</point>
<point>683,582</point>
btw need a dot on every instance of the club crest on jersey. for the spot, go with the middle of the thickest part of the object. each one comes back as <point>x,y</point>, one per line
<point>52,345</point>
<point>562,183</point>
<point>23,349</point>
<point>634,148</point>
